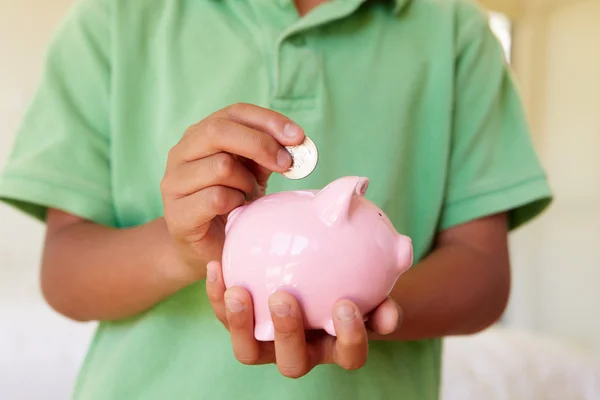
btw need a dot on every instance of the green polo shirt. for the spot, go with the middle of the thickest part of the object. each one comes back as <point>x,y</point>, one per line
<point>414,94</point>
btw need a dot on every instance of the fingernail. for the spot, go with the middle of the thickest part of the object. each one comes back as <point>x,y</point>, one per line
<point>292,131</point>
<point>234,305</point>
<point>345,313</point>
<point>284,159</point>
<point>281,310</point>
<point>211,273</point>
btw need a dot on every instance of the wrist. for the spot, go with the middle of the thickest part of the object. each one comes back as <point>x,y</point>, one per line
<point>173,265</point>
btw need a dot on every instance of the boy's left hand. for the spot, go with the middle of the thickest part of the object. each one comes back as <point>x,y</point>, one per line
<point>295,351</point>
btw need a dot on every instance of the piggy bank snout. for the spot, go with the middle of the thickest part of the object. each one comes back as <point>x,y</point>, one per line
<point>404,253</point>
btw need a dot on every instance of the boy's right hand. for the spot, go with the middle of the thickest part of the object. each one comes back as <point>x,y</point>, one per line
<point>221,162</point>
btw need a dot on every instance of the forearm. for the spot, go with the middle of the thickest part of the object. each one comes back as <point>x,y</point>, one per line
<point>91,272</point>
<point>456,290</point>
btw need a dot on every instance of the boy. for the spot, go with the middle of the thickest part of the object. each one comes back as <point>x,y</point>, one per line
<point>413,94</point>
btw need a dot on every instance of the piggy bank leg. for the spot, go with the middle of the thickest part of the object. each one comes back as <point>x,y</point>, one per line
<point>329,328</point>
<point>263,324</point>
<point>264,331</point>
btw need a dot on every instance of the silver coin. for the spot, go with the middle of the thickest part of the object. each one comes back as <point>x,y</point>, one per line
<point>305,157</point>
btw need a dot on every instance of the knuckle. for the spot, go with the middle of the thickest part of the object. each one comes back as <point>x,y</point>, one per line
<point>247,359</point>
<point>175,155</point>
<point>213,128</point>
<point>354,340</point>
<point>265,144</point>
<point>165,184</point>
<point>175,231</point>
<point>214,296</point>
<point>288,328</point>
<point>220,200</point>
<point>188,230</point>
<point>352,365</point>
<point>172,154</point>
<point>173,220</point>
<point>178,229</point>
<point>239,321</point>
<point>286,334</point>
<point>292,371</point>
<point>224,165</point>
<point>236,109</point>
<point>191,129</point>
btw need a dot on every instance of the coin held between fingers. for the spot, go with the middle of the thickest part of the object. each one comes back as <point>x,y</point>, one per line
<point>304,159</point>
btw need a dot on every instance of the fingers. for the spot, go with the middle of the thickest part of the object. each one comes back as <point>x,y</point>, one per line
<point>221,169</point>
<point>351,345</point>
<point>283,129</point>
<point>205,177</point>
<point>291,352</point>
<point>252,132</point>
<point>240,318</point>
<point>215,290</point>
<point>190,216</point>
<point>234,309</point>
<point>222,135</point>
<point>386,318</point>
<point>295,358</point>
<point>290,341</point>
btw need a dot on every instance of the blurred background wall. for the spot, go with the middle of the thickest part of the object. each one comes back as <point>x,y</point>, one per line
<point>40,352</point>
<point>556,57</point>
<point>555,53</point>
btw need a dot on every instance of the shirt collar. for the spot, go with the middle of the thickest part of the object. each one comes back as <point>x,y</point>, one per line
<point>400,5</point>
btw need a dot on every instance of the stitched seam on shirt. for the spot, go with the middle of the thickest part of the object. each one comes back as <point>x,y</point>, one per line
<point>73,187</point>
<point>481,192</point>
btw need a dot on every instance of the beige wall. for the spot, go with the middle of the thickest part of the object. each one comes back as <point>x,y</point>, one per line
<point>557,259</point>
<point>40,352</point>
<point>512,8</point>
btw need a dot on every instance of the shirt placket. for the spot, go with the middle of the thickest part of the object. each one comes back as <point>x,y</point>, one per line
<point>295,65</point>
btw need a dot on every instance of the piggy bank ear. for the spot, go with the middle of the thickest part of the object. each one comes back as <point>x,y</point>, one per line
<point>334,201</point>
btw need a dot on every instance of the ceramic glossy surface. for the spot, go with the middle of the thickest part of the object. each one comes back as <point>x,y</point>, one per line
<point>320,246</point>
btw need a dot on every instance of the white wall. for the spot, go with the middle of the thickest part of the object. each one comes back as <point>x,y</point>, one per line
<point>40,352</point>
<point>557,259</point>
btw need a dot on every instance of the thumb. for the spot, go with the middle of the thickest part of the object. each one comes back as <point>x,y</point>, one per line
<point>387,318</point>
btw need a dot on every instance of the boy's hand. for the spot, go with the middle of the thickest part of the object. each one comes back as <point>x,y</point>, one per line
<point>295,351</point>
<point>220,163</point>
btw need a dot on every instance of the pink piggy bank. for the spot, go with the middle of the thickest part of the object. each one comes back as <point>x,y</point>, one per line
<point>320,246</point>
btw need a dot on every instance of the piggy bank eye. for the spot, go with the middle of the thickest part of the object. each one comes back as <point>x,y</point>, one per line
<point>380,215</point>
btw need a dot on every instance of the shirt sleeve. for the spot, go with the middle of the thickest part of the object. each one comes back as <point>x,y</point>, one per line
<point>61,154</point>
<point>493,166</point>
